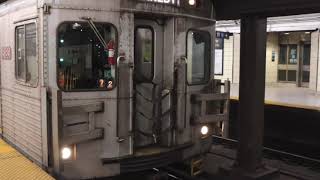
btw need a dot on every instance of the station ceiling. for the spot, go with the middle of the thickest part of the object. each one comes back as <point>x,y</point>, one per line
<point>304,22</point>
<point>233,9</point>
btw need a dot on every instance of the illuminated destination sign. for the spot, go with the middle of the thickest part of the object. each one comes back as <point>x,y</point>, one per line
<point>170,2</point>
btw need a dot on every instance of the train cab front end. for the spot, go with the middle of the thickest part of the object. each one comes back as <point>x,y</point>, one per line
<point>134,87</point>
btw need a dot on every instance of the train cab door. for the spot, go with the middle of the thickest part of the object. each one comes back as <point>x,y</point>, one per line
<point>148,84</point>
<point>199,63</point>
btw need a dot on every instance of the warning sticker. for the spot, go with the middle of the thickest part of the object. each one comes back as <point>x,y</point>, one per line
<point>6,53</point>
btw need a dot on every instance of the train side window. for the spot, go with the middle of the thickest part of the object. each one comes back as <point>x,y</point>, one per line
<point>26,54</point>
<point>144,53</point>
<point>86,57</point>
<point>198,57</point>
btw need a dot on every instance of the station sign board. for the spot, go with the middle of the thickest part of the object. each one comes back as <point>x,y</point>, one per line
<point>168,2</point>
<point>223,35</point>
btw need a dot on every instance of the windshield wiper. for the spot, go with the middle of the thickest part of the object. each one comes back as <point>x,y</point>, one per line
<point>96,31</point>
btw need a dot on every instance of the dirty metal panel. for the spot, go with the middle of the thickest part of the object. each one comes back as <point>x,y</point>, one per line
<point>203,9</point>
<point>21,117</point>
<point>124,92</point>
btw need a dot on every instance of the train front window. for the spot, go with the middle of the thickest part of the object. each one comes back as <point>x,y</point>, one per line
<point>198,55</point>
<point>84,61</point>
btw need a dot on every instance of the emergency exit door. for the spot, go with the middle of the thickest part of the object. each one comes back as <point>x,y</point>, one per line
<point>288,63</point>
<point>150,126</point>
<point>294,64</point>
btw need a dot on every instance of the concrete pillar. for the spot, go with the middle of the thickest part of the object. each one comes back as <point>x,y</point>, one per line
<point>250,123</point>
<point>251,92</point>
<point>314,58</point>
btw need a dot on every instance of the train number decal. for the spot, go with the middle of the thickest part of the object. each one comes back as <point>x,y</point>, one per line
<point>6,53</point>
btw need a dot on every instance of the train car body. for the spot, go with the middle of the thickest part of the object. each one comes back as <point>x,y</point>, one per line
<point>103,87</point>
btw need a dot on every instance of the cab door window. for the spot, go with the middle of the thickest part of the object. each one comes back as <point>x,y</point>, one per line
<point>198,57</point>
<point>144,53</point>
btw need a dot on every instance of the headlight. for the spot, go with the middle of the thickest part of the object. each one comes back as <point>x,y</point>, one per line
<point>204,130</point>
<point>66,153</point>
<point>192,2</point>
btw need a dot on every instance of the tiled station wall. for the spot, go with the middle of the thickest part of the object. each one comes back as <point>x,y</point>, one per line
<point>232,60</point>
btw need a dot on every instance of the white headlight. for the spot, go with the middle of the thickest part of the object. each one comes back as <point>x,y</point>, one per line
<point>204,130</point>
<point>66,153</point>
<point>192,2</point>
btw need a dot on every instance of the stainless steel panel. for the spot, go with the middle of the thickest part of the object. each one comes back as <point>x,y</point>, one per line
<point>21,117</point>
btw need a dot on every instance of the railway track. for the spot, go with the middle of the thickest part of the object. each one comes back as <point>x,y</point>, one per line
<point>175,173</point>
<point>269,153</point>
<point>272,153</point>
<point>167,173</point>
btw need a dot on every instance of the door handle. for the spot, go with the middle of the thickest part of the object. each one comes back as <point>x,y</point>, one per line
<point>119,59</point>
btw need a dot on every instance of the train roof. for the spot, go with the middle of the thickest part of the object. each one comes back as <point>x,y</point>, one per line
<point>203,10</point>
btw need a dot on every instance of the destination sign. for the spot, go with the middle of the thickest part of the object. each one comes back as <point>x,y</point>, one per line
<point>169,2</point>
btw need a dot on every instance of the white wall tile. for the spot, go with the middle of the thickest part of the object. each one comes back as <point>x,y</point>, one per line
<point>227,60</point>
<point>314,60</point>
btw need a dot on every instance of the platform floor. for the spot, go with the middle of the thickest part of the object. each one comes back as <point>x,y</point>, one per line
<point>286,95</point>
<point>14,166</point>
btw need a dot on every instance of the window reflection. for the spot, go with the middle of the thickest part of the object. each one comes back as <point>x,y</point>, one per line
<point>293,53</point>
<point>83,62</point>
<point>144,44</point>
<point>198,52</point>
<point>26,54</point>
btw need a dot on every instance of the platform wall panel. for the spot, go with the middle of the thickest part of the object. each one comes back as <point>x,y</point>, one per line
<point>227,60</point>
<point>272,65</point>
<point>314,58</point>
<point>236,59</point>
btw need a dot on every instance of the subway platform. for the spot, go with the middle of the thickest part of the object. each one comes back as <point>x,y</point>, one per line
<point>14,166</point>
<point>286,95</point>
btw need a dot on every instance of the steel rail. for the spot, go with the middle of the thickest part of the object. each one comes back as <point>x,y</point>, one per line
<point>269,150</point>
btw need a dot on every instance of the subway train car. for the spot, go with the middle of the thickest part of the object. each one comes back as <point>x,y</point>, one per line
<point>99,88</point>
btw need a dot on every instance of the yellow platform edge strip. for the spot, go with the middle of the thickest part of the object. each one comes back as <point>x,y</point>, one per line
<point>14,166</point>
<point>268,102</point>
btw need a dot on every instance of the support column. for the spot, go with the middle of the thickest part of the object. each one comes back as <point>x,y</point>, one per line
<point>251,99</point>
<point>252,91</point>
